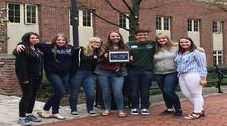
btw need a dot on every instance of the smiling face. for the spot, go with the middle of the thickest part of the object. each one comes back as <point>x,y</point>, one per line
<point>60,41</point>
<point>96,42</point>
<point>162,40</point>
<point>142,36</point>
<point>114,37</point>
<point>33,39</point>
<point>185,44</point>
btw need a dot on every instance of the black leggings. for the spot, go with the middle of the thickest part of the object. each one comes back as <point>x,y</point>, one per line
<point>29,92</point>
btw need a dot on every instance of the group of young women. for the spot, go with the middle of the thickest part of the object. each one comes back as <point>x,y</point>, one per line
<point>79,66</point>
<point>185,63</point>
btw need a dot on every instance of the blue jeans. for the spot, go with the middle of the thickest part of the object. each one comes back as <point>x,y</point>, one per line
<point>86,80</point>
<point>111,84</point>
<point>58,83</point>
<point>168,83</point>
<point>140,83</point>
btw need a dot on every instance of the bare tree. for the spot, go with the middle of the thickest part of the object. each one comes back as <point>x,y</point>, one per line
<point>132,7</point>
<point>222,4</point>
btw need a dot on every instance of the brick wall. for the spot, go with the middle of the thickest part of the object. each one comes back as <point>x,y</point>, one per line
<point>8,80</point>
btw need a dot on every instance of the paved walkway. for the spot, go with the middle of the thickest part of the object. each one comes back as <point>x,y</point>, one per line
<point>215,106</point>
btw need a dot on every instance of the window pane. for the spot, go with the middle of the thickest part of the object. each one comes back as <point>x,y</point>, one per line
<point>14,13</point>
<point>158,23</point>
<point>33,20</point>
<point>31,14</point>
<point>215,26</point>
<point>189,25</point>
<point>196,25</point>
<point>86,18</point>
<point>122,21</point>
<point>214,60</point>
<point>166,23</point>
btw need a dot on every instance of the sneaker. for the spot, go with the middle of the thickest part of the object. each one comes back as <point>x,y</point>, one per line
<point>92,113</point>
<point>166,112</point>
<point>178,113</point>
<point>33,118</point>
<point>135,111</point>
<point>145,112</point>
<point>24,122</point>
<point>75,113</point>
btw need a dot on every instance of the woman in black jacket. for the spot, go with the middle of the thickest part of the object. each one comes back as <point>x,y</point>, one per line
<point>29,67</point>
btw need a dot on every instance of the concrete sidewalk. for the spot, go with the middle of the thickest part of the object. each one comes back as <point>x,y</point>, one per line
<point>9,112</point>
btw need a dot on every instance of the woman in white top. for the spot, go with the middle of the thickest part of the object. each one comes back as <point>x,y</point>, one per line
<point>192,72</point>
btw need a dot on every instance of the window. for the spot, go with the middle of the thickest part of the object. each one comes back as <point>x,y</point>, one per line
<point>217,57</point>
<point>30,14</point>
<point>86,17</point>
<point>14,13</point>
<point>158,23</point>
<point>189,25</point>
<point>162,23</point>
<point>166,23</point>
<point>122,21</point>
<point>193,25</point>
<point>217,27</point>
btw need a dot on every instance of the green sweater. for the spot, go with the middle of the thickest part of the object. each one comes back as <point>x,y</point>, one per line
<point>142,55</point>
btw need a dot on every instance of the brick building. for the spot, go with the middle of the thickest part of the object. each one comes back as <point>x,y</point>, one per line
<point>204,23</point>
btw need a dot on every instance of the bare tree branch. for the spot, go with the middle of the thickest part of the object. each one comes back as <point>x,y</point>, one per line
<point>100,17</point>
<point>127,5</point>
<point>114,8</point>
<point>222,4</point>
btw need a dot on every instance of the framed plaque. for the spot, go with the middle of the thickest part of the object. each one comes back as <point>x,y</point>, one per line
<point>118,56</point>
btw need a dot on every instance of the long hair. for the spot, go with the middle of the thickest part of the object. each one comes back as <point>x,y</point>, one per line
<point>59,35</point>
<point>88,51</point>
<point>120,43</point>
<point>191,48</point>
<point>55,45</point>
<point>26,38</point>
<point>26,41</point>
<point>168,45</point>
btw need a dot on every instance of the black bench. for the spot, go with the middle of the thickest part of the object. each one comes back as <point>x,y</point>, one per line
<point>221,70</point>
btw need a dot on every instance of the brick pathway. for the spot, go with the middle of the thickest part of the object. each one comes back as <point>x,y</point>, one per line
<point>215,106</point>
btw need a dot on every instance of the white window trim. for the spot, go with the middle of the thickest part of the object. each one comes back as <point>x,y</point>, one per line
<point>162,23</point>
<point>80,15</point>
<point>25,14</point>
<point>126,21</point>
<point>215,54</point>
<point>219,27</point>
<point>21,10</point>
<point>193,25</point>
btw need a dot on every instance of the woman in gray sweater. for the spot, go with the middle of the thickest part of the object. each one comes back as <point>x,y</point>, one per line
<point>165,70</point>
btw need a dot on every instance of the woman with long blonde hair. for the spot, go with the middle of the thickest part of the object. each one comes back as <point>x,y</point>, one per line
<point>165,69</point>
<point>83,76</point>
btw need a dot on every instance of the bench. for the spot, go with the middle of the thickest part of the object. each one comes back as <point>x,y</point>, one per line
<point>221,70</point>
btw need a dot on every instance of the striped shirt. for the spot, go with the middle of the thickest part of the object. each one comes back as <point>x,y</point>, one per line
<point>193,62</point>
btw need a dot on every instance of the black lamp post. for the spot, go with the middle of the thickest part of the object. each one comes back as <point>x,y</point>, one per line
<point>74,22</point>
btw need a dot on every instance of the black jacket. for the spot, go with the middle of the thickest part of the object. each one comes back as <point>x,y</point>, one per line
<point>29,64</point>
